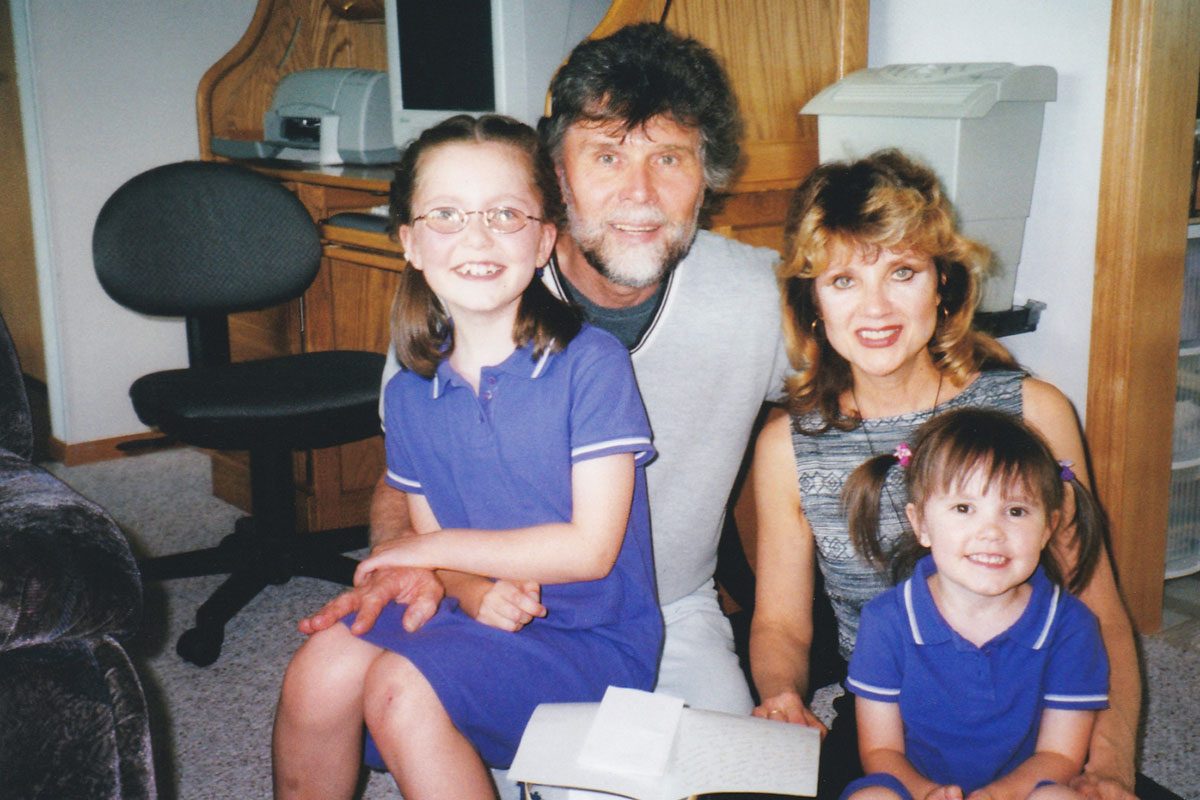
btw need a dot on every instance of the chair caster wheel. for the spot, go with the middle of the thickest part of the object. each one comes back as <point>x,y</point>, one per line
<point>200,647</point>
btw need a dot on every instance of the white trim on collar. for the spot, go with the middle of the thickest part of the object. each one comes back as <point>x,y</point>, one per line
<point>1050,614</point>
<point>912,612</point>
<point>540,367</point>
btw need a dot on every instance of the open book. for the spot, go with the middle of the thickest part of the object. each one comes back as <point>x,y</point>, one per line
<point>636,745</point>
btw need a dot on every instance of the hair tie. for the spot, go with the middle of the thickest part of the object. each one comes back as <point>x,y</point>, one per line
<point>1066,473</point>
<point>903,454</point>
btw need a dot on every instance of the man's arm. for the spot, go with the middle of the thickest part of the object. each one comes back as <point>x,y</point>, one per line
<point>419,588</point>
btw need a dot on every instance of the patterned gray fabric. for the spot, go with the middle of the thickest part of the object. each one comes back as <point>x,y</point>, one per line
<point>73,720</point>
<point>823,463</point>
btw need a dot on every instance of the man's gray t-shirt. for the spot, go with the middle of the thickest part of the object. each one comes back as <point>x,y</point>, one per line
<point>711,355</point>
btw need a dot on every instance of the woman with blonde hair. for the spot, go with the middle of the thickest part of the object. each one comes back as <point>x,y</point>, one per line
<point>879,293</point>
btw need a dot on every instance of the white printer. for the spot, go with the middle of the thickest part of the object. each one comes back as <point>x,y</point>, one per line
<point>325,116</point>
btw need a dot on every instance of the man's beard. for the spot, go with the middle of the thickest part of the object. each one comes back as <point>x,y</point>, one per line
<point>633,265</point>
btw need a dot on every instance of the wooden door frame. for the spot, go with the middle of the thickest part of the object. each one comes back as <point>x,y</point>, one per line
<point>1154,62</point>
<point>19,279</point>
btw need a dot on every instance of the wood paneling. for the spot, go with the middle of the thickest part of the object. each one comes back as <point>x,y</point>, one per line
<point>18,268</point>
<point>1154,59</point>
<point>284,36</point>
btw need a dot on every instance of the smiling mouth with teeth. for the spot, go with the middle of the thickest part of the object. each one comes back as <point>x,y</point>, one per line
<point>635,228</point>
<point>475,270</point>
<point>988,558</point>
<point>877,335</point>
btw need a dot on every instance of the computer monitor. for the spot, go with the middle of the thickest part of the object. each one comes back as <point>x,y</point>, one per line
<point>475,56</point>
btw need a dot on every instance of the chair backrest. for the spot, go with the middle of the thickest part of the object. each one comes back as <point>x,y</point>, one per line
<point>200,238</point>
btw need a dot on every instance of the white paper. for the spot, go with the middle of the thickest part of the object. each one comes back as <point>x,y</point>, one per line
<point>713,752</point>
<point>632,731</point>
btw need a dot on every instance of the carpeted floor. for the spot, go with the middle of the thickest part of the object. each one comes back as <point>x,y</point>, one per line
<point>212,725</point>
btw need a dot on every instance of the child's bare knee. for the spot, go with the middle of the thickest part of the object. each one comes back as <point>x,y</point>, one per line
<point>395,687</point>
<point>330,664</point>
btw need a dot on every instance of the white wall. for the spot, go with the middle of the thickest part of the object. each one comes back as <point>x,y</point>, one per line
<point>110,87</point>
<point>549,30</point>
<point>1058,259</point>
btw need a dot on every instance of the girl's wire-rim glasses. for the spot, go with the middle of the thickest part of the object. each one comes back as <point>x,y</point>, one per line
<point>501,219</point>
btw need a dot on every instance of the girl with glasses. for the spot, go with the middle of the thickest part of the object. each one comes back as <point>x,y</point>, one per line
<point>519,436</point>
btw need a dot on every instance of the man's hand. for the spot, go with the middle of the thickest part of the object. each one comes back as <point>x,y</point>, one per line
<point>788,707</point>
<point>1094,786</point>
<point>419,588</point>
<point>510,605</point>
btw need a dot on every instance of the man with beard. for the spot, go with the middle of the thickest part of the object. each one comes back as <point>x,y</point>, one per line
<point>644,133</point>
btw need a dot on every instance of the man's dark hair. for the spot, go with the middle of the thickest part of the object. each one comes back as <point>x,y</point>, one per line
<point>643,71</point>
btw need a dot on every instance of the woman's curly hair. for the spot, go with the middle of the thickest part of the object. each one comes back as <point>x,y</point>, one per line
<point>885,201</point>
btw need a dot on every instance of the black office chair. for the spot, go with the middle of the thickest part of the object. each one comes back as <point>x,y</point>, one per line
<point>201,240</point>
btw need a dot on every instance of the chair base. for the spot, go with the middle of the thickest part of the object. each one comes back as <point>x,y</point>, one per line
<point>263,550</point>
<point>253,563</point>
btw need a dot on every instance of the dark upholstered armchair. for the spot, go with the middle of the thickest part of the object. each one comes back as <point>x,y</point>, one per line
<point>73,720</point>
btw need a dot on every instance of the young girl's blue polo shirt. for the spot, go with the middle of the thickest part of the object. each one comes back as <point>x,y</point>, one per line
<point>501,458</point>
<point>972,714</point>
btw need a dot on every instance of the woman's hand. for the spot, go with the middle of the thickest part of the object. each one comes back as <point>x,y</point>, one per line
<point>788,707</point>
<point>510,605</point>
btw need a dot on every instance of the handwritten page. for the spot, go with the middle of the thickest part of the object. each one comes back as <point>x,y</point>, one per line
<point>712,752</point>
<point>632,731</point>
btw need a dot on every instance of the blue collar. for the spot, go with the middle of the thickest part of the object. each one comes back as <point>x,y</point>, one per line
<point>520,363</point>
<point>927,625</point>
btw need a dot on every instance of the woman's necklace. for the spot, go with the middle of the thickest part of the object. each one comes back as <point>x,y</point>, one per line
<point>937,396</point>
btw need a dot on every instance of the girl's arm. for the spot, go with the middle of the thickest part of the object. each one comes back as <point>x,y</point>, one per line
<point>507,605</point>
<point>1061,748</point>
<point>781,629</point>
<point>580,550</point>
<point>1113,739</point>
<point>881,748</point>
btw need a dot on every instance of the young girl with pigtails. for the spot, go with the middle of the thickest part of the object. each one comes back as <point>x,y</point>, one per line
<point>979,676</point>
